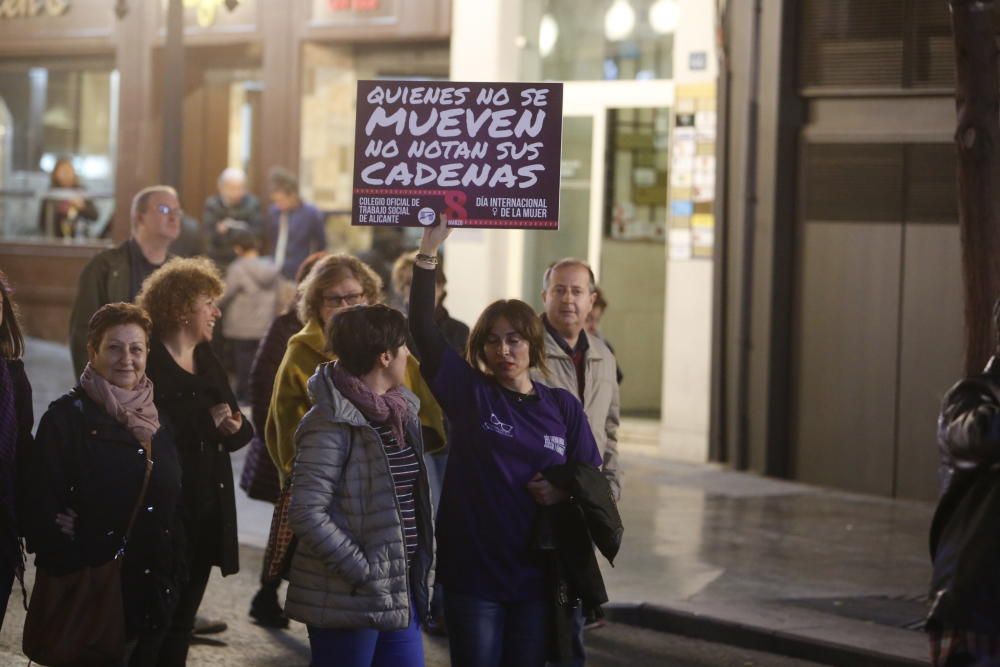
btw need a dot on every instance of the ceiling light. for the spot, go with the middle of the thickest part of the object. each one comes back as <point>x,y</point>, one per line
<point>619,21</point>
<point>665,16</point>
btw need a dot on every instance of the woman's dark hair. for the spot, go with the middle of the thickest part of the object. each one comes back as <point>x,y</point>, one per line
<point>522,319</point>
<point>358,335</point>
<point>52,176</point>
<point>113,315</point>
<point>11,338</point>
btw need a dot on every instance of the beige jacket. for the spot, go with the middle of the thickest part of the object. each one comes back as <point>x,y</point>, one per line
<point>600,397</point>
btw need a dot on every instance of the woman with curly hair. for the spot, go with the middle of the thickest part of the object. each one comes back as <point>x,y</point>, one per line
<point>16,419</point>
<point>192,389</point>
<point>335,283</point>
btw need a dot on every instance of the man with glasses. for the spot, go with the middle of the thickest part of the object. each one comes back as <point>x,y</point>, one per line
<point>117,274</point>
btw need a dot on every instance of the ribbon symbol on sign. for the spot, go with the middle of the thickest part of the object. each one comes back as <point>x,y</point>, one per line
<point>455,202</point>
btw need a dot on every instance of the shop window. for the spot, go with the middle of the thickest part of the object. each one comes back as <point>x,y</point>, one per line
<point>48,112</point>
<point>890,183</point>
<point>638,158</point>
<point>596,40</point>
<point>901,44</point>
<point>330,76</point>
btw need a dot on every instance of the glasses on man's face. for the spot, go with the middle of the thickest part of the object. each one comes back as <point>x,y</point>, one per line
<point>170,212</point>
<point>338,300</point>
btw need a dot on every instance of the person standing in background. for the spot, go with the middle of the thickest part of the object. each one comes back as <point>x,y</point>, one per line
<point>248,305</point>
<point>65,207</point>
<point>230,210</point>
<point>584,366</point>
<point>295,228</point>
<point>117,274</point>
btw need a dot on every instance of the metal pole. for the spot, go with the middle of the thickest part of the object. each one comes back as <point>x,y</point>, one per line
<point>749,245</point>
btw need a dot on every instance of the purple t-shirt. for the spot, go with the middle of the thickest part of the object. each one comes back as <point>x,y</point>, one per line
<point>486,518</point>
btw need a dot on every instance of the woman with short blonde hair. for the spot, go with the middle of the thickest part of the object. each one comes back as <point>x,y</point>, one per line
<point>336,282</point>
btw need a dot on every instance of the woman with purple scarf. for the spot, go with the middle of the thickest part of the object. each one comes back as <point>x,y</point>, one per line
<point>84,475</point>
<point>16,420</point>
<point>361,506</point>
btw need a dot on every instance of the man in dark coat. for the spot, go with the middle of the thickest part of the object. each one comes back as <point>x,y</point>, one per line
<point>228,211</point>
<point>117,274</point>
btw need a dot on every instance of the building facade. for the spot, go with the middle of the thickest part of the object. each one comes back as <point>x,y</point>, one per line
<point>838,313</point>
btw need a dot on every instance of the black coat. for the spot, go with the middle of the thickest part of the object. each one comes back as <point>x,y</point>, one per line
<point>260,477</point>
<point>209,505</point>
<point>964,537</point>
<point>84,459</point>
<point>11,523</point>
<point>566,535</point>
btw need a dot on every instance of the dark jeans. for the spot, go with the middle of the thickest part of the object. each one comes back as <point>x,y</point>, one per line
<point>365,647</point>
<point>243,354</point>
<point>484,633</point>
<point>579,655</point>
<point>6,584</point>
<point>178,638</point>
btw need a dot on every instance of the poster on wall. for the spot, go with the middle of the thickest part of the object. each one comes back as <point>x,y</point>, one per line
<point>482,154</point>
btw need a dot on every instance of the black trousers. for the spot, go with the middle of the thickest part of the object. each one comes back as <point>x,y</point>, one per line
<point>174,650</point>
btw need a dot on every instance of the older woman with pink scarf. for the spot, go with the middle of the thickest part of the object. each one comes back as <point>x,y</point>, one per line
<point>85,474</point>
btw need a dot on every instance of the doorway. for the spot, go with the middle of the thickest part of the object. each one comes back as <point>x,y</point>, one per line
<point>613,212</point>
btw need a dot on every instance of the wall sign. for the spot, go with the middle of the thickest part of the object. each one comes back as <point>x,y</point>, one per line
<point>19,9</point>
<point>353,5</point>
<point>483,154</point>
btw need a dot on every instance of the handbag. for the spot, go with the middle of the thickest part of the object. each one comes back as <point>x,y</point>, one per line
<point>78,619</point>
<point>260,476</point>
<point>281,540</point>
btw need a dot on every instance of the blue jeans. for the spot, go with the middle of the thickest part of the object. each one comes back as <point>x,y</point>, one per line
<point>436,464</point>
<point>484,633</point>
<point>365,647</point>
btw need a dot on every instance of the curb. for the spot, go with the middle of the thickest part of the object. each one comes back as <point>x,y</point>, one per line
<point>757,638</point>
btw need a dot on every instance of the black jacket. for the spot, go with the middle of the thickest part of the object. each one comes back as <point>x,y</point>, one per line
<point>965,535</point>
<point>209,505</point>
<point>566,534</point>
<point>11,515</point>
<point>84,459</point>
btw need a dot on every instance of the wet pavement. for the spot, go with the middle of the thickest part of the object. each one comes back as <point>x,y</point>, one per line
<point>702,544</point>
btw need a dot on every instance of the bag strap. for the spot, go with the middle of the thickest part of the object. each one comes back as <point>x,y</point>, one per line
<point>148,448</point>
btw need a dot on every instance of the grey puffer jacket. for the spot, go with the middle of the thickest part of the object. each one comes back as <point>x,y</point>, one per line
<point>350,566</point>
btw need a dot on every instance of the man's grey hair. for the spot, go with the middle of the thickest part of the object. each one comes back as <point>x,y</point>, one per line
<point>564,263</point>
<point>232,174</point>
<point>140,203</point>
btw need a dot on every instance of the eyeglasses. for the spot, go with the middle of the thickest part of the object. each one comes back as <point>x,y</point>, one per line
<point>337,300</point>
<point>170,212</point>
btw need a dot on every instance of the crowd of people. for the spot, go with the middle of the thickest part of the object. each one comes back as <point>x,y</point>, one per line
<point>434,478</point>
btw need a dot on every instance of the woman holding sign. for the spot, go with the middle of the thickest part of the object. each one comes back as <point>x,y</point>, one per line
<point>505,430</point>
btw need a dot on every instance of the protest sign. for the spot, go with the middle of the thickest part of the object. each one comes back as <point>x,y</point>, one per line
<point>483,154</point>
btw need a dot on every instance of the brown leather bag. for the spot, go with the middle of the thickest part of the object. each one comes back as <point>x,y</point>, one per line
<point>78,619</point>
<point>281,541</point>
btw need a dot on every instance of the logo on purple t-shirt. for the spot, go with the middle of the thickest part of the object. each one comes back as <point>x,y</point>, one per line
<point>497,426</point>
<point>556,444</point>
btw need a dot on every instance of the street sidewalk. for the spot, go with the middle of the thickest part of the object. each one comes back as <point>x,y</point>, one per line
<point>731,557</point>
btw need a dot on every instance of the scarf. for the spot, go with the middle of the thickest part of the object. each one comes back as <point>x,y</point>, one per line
<point>390,408</point>
<point>132,408</point>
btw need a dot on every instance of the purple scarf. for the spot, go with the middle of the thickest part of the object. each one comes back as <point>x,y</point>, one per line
<point>390,408</point>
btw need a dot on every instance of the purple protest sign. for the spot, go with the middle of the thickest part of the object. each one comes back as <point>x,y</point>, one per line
<point>484,154</point>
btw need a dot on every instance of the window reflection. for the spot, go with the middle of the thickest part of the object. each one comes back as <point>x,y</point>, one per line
<point>57,113</point>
